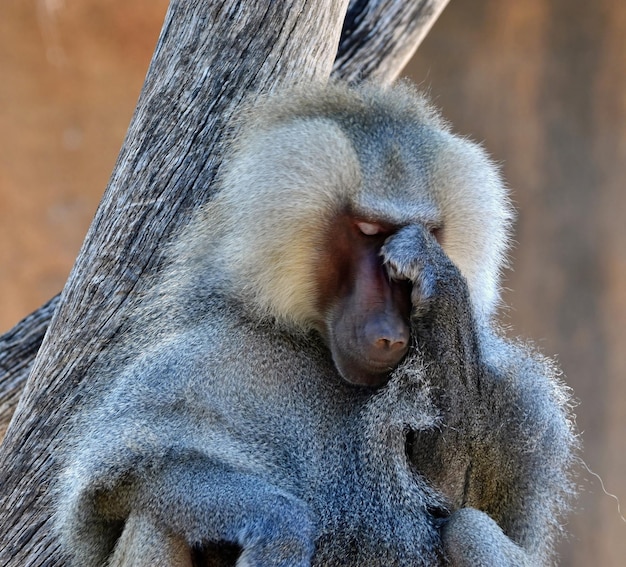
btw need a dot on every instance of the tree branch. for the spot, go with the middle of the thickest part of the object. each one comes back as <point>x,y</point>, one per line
<point>379,37</point>
<point>205,63</point>
<point>403,25</point>
<point>18,349</point>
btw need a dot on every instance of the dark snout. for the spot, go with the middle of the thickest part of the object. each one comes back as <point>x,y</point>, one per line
<point>386,340</point>
<point>372,338</point>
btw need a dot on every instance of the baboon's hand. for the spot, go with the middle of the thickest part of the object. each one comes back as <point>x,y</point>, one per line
<point>414,254</point>
<point>443,320</point>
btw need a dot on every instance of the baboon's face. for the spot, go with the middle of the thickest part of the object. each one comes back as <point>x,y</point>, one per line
<point>364,312</point>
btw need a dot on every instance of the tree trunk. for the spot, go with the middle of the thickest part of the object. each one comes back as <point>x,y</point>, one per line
<point>207,60</point>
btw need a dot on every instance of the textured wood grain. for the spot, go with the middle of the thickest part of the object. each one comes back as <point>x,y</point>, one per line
<point>18,348</point>
<point>379,37</point>
<point>205,63</point>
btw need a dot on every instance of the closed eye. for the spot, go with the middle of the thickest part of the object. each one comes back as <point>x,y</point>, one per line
<point>369,228</point>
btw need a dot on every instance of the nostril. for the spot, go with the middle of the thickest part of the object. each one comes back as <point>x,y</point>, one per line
<point>391,344</point>
<point>386,339</point>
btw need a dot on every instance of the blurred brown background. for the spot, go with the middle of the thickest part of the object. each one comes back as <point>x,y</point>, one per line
<point>541,82</point>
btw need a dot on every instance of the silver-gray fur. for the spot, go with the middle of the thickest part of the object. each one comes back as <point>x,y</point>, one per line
<point>222,425</point>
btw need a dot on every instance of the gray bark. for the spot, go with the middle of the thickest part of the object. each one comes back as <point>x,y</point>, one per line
<point>18,349</point>
<point>205,63</point>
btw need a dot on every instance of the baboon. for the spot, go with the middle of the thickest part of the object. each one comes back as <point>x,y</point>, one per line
<point>316,377</point>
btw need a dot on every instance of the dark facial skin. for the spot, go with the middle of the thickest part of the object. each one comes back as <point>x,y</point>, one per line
<point>366,313</point>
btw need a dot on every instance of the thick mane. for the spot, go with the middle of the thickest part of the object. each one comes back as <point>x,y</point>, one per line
<point>297,160</point>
